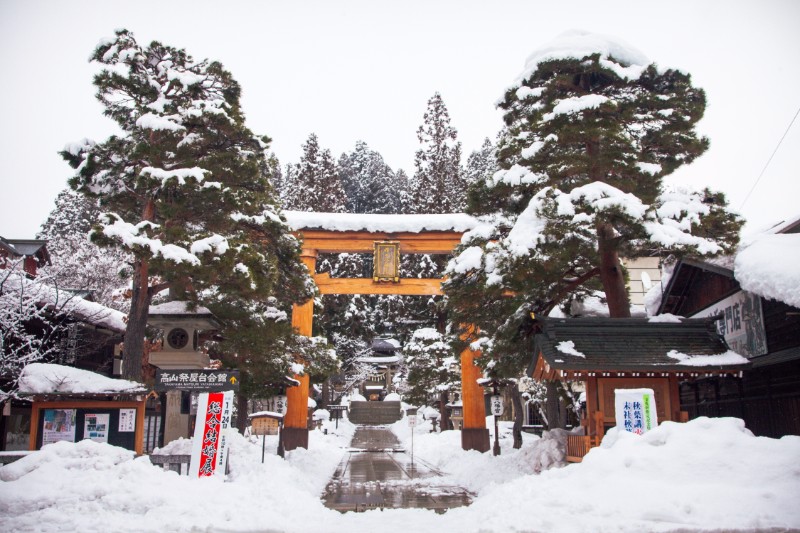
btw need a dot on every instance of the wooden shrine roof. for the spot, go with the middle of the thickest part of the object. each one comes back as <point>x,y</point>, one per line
<point>584,347</point>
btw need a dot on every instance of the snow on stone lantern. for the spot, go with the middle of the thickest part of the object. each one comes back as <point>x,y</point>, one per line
<point>182,328</point>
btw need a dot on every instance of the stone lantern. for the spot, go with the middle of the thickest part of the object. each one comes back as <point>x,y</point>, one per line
<point>182,329</point>
<point>181,351</point>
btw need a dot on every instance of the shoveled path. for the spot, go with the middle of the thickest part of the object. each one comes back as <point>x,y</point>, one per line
<point>378,473</point>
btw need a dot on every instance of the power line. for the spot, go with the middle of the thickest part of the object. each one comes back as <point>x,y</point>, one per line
<point>769,160</point>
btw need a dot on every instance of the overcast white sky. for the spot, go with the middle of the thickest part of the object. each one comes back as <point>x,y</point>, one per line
<point>350,70</point>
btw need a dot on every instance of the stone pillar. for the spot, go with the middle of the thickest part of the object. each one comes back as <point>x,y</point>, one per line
<point>474,435</point>
<point>176,425</point>
<point>295,422</point>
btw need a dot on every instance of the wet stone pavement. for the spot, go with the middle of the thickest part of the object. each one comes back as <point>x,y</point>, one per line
<point>378,474</point>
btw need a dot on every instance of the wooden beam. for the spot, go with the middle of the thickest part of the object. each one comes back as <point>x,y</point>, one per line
<point>406,286</point>
<point>430,242</point>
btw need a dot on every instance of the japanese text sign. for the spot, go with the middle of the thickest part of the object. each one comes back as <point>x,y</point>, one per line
<point>210,444</point>
<point>197,380</point>
<point>635,410</point>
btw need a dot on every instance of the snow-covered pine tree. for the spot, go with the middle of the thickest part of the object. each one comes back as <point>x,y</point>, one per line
<point>369,183</point>
<point>437,185</point>
<point>592,128</point>
<point>481,164</point>
<point>315,183</point>
<point>78,263</point>
<point>431,367</point>
<point>185,189</point>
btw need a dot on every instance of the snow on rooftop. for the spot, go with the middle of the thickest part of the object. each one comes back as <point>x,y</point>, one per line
<point>767,266</point>
<point>727,358</point>
<point>629,62</point>
<point>44,378</point>
<point>68,303</point>
<point>299,220</point>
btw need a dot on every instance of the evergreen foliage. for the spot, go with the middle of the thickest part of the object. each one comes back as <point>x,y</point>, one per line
<point>186,193</point>
<point>315,185</point>
<point>481,164</point>
<point>588,139</point>
<point>369,183</point>
<point>437,185</point>
<point>430,365</point>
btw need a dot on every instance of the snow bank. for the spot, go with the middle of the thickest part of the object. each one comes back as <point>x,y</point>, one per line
<point>708,474</point>
<point>44,378</point>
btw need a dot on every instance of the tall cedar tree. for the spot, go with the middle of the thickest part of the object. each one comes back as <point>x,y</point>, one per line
<point>437,185</point>
<point>591,129</point>
<point>185,191</point>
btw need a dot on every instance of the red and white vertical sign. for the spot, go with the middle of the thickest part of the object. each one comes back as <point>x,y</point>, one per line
<point>210,445</point>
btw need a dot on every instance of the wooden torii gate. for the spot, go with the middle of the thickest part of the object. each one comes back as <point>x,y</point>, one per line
<point>358,233</point>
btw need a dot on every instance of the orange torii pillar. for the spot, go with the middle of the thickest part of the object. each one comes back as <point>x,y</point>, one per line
<point>295,422</point>
<point>474,435</point>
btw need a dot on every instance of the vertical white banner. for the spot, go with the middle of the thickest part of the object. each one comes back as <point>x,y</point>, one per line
<point>635,410</point>
<point>210,443</point>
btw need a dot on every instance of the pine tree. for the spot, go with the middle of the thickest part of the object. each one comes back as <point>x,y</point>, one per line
<point>431,366</point>
<point>315,182</point>
<point>185,190</point>
<point>78,263</point>
<point>591,129</point>
<point>369,183</point>
<point>481,164</point>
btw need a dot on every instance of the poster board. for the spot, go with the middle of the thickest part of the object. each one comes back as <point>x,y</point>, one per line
<point>58,425</point>
<point>96,426</point>
<point>46,433</point>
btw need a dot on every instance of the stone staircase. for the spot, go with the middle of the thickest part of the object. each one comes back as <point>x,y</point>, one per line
<point>374,413</point>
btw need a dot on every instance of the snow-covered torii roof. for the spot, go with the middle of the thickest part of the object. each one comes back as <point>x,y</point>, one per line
<point>374,223</point>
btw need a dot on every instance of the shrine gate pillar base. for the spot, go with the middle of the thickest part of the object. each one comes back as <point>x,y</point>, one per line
<point>475,439</point>
<point>474,435</point>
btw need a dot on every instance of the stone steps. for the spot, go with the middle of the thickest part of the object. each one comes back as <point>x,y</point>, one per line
<point>374,413</point>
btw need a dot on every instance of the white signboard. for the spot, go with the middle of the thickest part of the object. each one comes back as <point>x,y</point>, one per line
<point>210,443</point>
<point>412,420</point>
<point>742,323</point>
<point>95,426</point>
<point>127,420</point>
<point>496,404</point>
<point>635,410</point>
<point>281,404</point>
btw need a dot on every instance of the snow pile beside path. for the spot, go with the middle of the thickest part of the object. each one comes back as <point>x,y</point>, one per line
<point>768,267</point>
<point>708,474</point>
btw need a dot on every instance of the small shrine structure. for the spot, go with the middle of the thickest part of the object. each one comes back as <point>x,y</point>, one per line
<point>628,353</point>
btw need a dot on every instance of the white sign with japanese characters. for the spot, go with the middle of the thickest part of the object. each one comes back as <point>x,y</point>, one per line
<point>210,443</point>
<point>635,410</point>
<point>127,420</point>
<point>496,404</point>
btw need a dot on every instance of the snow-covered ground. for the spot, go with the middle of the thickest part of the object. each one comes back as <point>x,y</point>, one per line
<point>709,475</point>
